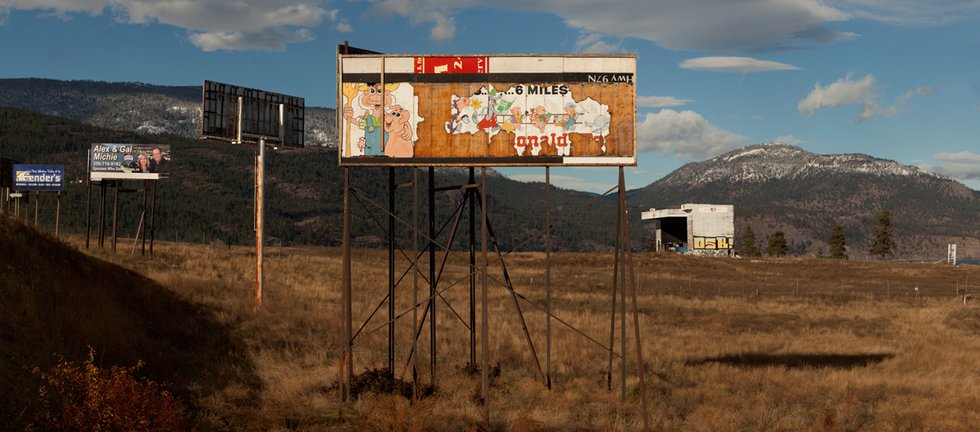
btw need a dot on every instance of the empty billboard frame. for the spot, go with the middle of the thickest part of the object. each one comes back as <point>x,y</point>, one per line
<point>259,113</point>
<point>486,110</point>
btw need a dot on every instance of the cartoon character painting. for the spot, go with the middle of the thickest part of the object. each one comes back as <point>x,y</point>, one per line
<point>540,117</point>
<point>399,142</point>
<point>371,97</point>
<point>377,119</point>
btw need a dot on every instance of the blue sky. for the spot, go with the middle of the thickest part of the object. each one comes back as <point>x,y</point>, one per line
<point>896,79</point>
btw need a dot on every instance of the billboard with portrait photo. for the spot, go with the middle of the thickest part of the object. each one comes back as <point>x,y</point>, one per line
<point>129,161</point>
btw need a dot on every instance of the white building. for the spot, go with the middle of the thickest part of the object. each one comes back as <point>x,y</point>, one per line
<point>695,229</point>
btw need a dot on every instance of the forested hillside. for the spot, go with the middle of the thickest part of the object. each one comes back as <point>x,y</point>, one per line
<point>209,195</point>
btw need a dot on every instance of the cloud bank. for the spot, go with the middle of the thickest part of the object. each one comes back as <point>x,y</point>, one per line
<point>850,91</point>
<point>660,101</point>
<point>734,64</point>
<point>211,24</point>
<point>714,25</point>
<point>684,134</point>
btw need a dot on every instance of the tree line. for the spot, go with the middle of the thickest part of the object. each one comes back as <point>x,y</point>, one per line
<point>881,243</point>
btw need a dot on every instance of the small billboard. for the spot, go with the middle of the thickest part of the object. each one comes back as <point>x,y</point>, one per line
<point>486,110</point>
<point>129,161</point>
<point>259,112</point>
<point>30,177</point>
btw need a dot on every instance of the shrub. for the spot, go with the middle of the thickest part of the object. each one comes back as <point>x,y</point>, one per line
<point>381,381</point>
<point>88,398</point>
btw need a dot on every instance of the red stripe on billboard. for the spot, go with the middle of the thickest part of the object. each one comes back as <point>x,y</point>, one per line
<point>451,65</point>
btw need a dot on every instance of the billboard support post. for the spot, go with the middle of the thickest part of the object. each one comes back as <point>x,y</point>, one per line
<point>484,303</point>
<point>102,185</point>
<point>432,274</point>
<point>115,213</point>
<point>471,198</point>
<point>37,207</point>
<point>547,275</point>
<point>348,358</point>
<point>391,271</point>
<point>259,222</point>
<point>88,214</point>
<point>625,245</point>
<point>415,278</point>
<point>633,284</point>
<point>153,211</point>
<point>143,219</point>
<point>57,216</point>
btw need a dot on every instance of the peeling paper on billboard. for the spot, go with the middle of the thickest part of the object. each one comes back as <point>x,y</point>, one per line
<point>537,116</point>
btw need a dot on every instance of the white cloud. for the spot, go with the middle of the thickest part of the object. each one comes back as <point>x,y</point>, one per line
<point>848,91</point>
<point>716,25</point>
<point>660,101</point>
<point>444,28</point>
<point>844,91</point>
<point>594,43</point>
<point>958,157</point>
<point>438,14</point>
<point>912,12</point>
<point>685,134</point>
<point>959,171</point>
<point>963,166</point>
<point>788,140</point>
<point>212,24</point>
<point>734,64</point>
<point>270,39</point>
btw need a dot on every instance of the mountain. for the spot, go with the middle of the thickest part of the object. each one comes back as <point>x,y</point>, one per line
<point>136,107</point>
<point>773,186</point>
<point>781,187</point>
<point>208,197</point>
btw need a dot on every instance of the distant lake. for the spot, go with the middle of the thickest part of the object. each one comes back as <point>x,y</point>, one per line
<point>969,261</point>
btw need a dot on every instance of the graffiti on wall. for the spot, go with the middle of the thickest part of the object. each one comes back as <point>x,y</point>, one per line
<point>713,243</point>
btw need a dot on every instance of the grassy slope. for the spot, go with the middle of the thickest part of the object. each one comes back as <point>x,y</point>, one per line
<point>725,340</point>
<point>55,300</point>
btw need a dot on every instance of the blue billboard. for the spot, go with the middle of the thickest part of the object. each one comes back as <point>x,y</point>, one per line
<point>39,177</point>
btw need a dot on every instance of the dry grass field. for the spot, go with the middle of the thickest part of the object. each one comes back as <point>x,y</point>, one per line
<point>729,344</point>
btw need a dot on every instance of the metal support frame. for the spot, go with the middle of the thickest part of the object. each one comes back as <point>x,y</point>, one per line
<point>392,186</point>
<point>623,276</point>
<point>471,200</point>
<point>432,274</point>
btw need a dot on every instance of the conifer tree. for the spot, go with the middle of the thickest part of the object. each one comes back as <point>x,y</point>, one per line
<point>749,248</point>
<point>777,244</point>
<point>882,239</point>
<point>837,243</point>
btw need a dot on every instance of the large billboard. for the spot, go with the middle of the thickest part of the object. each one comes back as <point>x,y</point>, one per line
<point>223,119</point>
<point>486,110</point>
<point>31,177</point>
<point>129,161</point>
